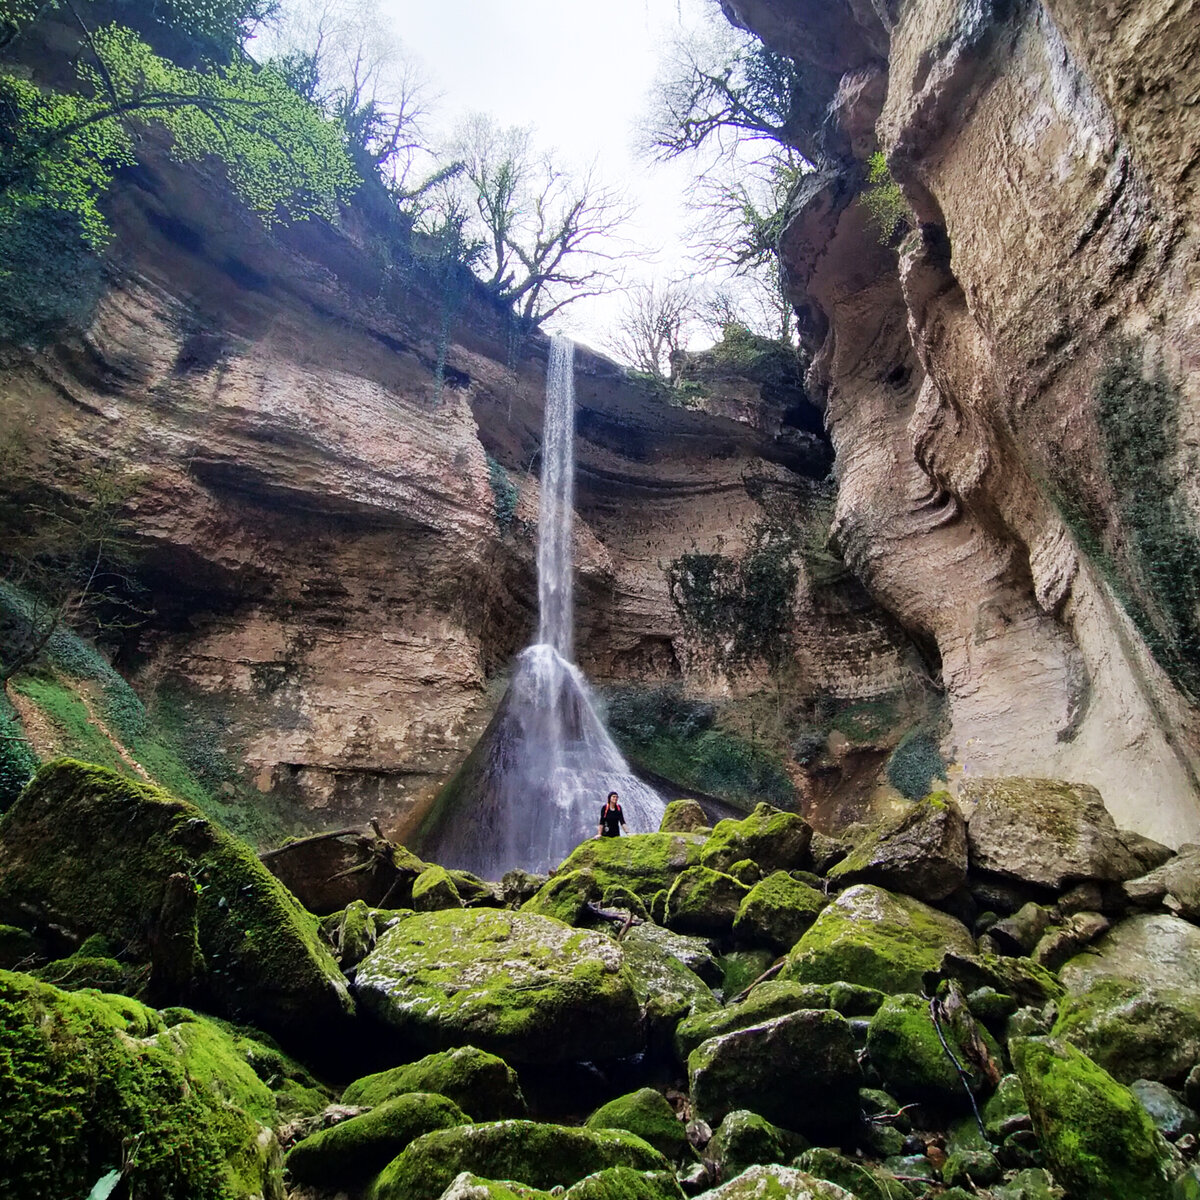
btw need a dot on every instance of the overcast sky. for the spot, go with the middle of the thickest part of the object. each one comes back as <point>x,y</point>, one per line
<point>579,73</point>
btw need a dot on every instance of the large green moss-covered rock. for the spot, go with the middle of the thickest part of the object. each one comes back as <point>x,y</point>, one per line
<point>921,852</point>
<point>541,1156</point>
<point>565,897</point>
<point>703,901</point>
<point>777,911</point>
<point>434,890</point>
<point>775,840</point>
<point>1044,831</point>
<point>667,991</point>
<point>778,1183</point>
<point>646,1113</point>
<point>906,1051</point>
<point>466,1186</point>
<point>88,849</point>
<point>1134,999</point>
<point>799,1071</point>
<point>744,1138</point>
<point>695,953</point>
<point>528,988</point>
<point>82,1075</point>
<point>481,1084</point>
<point>770,1000</point>
<point>877,939</point>
<point>859,1180</point>
<point>645,863</point>
<point>1097,1138</point>
<point>683,816</point>
<point>625,1183</point>
<point>354,1151</point>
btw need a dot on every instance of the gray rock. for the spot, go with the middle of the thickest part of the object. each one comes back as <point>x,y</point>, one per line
<point>1031,1184</point>
<point>1179,878</point>
<point>696,953</point>
<point>1022,931</point>
<point>971,1167</point>
<point>1149,854</point>
<point>744,1138</point>
<point>799,1071</point>
<point>666,989</point>
<point>779,1183</point>
<point>1045,832</point>
<point>826,851</point>
<point>1061,942</point>
<point>1158,950</point>
<point>1171,1117</point>
<point>922,853</point>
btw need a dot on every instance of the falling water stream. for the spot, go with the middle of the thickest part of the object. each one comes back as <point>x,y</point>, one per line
<point>533,787</point>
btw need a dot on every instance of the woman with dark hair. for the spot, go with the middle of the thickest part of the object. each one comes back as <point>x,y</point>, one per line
<point>611,817</point>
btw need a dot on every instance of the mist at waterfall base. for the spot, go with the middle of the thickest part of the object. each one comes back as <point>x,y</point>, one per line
<point>532,788</point>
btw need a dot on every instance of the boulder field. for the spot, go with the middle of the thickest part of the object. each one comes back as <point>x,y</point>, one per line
<point>945,1007</point>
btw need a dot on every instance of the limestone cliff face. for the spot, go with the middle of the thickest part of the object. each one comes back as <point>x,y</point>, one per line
<point>329,578</point>
<point>1013,391</point>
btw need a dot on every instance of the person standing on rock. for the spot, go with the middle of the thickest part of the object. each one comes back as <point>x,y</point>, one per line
<point>611,817</point>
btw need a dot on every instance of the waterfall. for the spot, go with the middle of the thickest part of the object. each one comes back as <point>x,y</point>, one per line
<point>532,788</point>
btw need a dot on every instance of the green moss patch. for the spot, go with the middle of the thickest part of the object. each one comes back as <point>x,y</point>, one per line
<point>645,863</point>
<point>647,1114</point>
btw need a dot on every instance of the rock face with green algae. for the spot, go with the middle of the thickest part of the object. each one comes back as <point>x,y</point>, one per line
<point>565,897</point>
<point>481,1084</point>
<point>871,937</point>
<point>683,816</point>
<point>1098,1140</point>
<point>1044,831</point>
<point>540,1156</point>
<point>356,1150</point>
<point>695,953</point>
<point>528,988</point>
<point>776,840</point>
<point>703,901</point>
<point>645,863</point>
<point>466,1186</point>
<point>667,991</point>
<point>93,851</point>
<point>922,852</point>
<point>906,1051</point>
<point>743,1139</point>
<point>777,911</point>
<point>647,1114</point>
<point>799,1071</point>
<point>856,1178</point>
<point>624,1183</point>
<point>778,1183</point>
<point>83,1073</point>
<point>434,890</point>
<point>770,1000</point>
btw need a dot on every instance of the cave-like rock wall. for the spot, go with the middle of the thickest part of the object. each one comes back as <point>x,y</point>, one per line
<point>1013,389</point>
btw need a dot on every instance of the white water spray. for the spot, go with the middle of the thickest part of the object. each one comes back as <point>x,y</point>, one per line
<point>533,787</point>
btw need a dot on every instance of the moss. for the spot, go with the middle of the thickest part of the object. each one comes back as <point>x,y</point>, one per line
<point>683,816</point>
<point>18,760</point>
<point>86,971</point>
<point>625,1183</point>
<point>484,1086</point>
<point>84,1075</point>
<point>744,1138</point>
<point>860,1180</point>
<point>541,1156</point>
<point>1097,1138</point>
<point>619,896</point>
<point>504,495</point>
<point>353,1151</point>
<point>647,1114</point>
<point>770,1000</point>
<point>666,989</point>
<point>471,1187</point>
<point>704,901</point>
<point>433,890</point>
<point>96,850</point>
<point>18,948</point>
<point>774,839</point>
<point>565,897</point>
<point>915,763</point>
<point>777,912</point>
<point>645,863</point>
<point>778,1183</point>
<point>740,968</point>
<point>872,937</point>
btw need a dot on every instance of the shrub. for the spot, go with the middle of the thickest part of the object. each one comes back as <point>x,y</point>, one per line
<point>915,764</point>
<point>884,200</point>
<point>504,494</point>
<point>17,758</point>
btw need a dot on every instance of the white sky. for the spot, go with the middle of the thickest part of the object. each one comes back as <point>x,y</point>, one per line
<point>579,73</point>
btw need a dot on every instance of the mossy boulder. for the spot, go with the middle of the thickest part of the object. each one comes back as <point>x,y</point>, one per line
<point>683,816</point>
<point>85,1074</point>
<point>625,1183</point>
<point>740,968</point>
<point>1134,999</point>
<point>466,1186</point>
<point>1098,1140</point>
<point>354,1151</point>
<point>703,901</point>
<point>645,863</point>
<point>667,991</point>
<point>922,852</point>
<point>777,911</point>
<point>770,1000</point>
<point>565,897</point>
<point>88,849</point>
<point>906,1051</point>
<point>778,1183</point>
<point>744,1138</point>
<point>18,947</point>
<point>528,988</point>
<point>858,1179</point>
<point>877,939</point>
<point>799,1071</point>
<point>481,1084</point>
<point>647,1114</point>
<point>535,1154</point>
<point>695,953</point>
<point>776,840</point>
<point>1044,831</point>
<point>434,890</point>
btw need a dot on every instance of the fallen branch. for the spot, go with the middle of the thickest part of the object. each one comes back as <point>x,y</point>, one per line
<point>768,974</point>
<point>964,1078</point>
